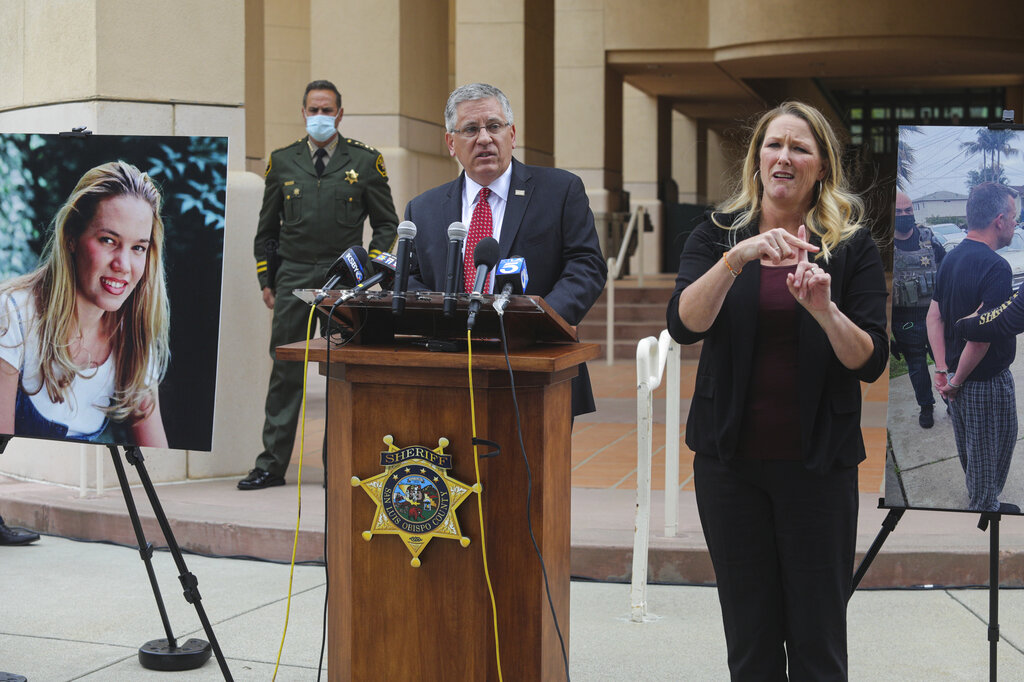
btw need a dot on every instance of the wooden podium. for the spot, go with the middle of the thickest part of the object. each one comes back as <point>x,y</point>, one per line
<point>387,619</point>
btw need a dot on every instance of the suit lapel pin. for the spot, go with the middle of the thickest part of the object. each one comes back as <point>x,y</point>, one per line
<point>520,192</point>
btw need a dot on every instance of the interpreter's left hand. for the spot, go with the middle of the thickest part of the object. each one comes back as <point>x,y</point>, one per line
<point>810,285</point>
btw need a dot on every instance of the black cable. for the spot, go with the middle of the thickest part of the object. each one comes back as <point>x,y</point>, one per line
<point>327,423</point>
<point>529,493</point>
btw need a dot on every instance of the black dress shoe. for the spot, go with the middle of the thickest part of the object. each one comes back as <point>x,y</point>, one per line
<point>259,479</point>
<point>10,536</point>
<point>1008,508</point>
<point>927,417</point>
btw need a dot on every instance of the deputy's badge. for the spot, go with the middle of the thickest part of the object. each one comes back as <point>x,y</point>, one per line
<point>380,166</point>
<point>415,498</point>
<point>925,261</point>
<point>351,176</point>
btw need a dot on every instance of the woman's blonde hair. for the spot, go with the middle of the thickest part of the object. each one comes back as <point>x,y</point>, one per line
<point>140,337</point>
<point>835,212</point>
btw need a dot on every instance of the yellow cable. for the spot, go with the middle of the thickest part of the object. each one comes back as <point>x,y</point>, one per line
<point>480,506</point>
<point>298,488</point>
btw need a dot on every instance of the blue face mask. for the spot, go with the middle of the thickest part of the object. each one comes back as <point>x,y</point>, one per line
<point>321,127</point>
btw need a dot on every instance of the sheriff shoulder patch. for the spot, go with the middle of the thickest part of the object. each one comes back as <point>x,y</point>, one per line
<point>380,166</point>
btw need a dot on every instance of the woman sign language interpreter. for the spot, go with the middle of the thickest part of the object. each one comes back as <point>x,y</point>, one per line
<point>785,288</point>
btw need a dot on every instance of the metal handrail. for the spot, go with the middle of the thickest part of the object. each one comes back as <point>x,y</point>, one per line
<point>654,357</point>
<point>615,271</point>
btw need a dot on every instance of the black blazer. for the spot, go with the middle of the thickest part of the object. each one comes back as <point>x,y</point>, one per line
<point>548,222</point>
<point>830,396</point>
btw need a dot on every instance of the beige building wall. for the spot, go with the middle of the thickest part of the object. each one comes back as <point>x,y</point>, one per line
<point>286,68</point>
<point>123,68</point>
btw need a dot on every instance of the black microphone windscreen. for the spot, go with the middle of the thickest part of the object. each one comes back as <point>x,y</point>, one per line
<point>359,265</point>
<point>486,252</point>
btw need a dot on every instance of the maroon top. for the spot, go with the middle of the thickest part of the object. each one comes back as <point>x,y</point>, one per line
<point>771,424</point>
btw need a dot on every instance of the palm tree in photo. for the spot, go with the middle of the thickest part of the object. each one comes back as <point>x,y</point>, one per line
<point>993,145</point>
<point>905,157</point>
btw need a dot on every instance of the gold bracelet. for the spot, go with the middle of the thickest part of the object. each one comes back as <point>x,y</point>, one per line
<point>734,273</point>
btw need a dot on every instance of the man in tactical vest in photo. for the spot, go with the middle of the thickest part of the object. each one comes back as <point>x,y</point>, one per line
<point>915,261</point>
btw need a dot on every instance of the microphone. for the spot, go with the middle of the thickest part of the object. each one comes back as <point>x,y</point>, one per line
<point>406,233</point>
<point>485,255</point>
<point>453,267</point>
<point>348,271</point>
<point>384,263</point>
<point>510,278</point>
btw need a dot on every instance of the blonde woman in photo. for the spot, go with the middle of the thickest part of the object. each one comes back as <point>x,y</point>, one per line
<point>84,337</point>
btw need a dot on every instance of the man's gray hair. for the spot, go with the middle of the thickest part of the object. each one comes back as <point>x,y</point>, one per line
<point>472,92</point>
<point>985,202</point>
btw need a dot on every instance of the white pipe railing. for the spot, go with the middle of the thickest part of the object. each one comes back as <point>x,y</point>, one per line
<point>652,357</point>
<point>615,271</point>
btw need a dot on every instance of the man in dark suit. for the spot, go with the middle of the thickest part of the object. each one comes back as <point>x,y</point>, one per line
<point>540,214</point>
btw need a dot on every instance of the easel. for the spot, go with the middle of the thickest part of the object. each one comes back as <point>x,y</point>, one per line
<point>987,520</point>
<point>162,654</point>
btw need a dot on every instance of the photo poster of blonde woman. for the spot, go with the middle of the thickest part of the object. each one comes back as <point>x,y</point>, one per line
<point>111,254</point>
<point>955,421</point>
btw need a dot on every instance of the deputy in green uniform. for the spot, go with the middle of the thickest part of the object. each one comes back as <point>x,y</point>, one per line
<point>318,193</point>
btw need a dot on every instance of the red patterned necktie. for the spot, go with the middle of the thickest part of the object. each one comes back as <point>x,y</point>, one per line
<point>480,225</point>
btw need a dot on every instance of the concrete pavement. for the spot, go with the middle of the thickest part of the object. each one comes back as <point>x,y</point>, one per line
<point>79,611</point>
<point>71,610</point>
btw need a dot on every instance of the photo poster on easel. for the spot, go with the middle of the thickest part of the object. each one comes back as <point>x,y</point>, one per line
<point>937,167</point>
<point>108,332</point>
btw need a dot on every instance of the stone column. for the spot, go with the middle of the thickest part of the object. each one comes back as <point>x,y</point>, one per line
<point>684,157</point>
<point>393,73</point>
<point>640,169</point>
<point>510,44</point>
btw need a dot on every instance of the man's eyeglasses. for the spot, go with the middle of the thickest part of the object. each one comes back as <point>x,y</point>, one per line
<point>471,131</point>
